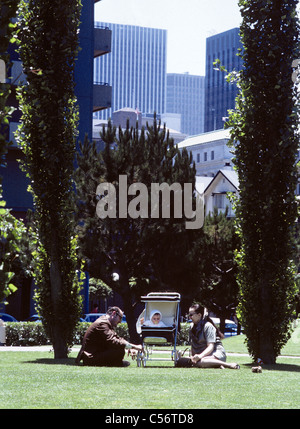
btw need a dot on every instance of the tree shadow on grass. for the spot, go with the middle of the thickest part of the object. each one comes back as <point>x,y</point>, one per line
<point>278,367</point>
<point>52,361</point>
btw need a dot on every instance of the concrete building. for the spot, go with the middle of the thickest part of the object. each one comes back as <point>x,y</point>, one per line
<point>120,118</point>
<point>210,151</point>
<point>90,97</point>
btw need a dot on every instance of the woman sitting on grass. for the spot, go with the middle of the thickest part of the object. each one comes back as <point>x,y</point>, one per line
<point>206,347</point>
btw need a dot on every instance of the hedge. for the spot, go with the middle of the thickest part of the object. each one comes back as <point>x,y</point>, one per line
<point>33,334</point>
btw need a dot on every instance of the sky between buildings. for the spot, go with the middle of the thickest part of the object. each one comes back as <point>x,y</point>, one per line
<point>188,22</point>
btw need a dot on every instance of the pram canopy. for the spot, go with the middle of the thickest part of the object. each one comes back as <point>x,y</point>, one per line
<point>169,306</point>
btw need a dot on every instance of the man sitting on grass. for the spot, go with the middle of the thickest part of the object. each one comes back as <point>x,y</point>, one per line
<point>101,346</point>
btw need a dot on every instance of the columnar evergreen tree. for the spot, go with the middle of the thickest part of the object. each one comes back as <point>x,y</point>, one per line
<point>48,36</point>
<point>265,125</point>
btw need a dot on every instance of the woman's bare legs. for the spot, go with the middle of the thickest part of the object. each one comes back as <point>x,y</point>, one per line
<point>212,362</point>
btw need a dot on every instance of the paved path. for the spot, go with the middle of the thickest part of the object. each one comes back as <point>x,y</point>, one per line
<point>29,349</point>
<point>76,349</point>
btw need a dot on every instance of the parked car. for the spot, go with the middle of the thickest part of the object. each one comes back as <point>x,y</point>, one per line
<point>230,326</point>
<point>91,317</point>
<point>37,318</point>
<point>7,317</point>
<point>230,329</point>
<point>34,318</point>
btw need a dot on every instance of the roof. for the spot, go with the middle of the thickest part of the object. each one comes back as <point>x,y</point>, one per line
<point>205,138</point>
<point>202,182</point>
<point>230,175</point>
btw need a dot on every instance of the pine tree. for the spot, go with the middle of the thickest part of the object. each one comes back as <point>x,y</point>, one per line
<point>147,253</point>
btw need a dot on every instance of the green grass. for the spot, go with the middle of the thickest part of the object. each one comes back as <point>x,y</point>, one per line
<point>31,380</point>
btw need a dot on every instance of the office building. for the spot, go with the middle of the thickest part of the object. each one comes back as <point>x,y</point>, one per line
<point>210,152</point>
<point>135,68</point>
<point>90,97</point>
<point>185,96</point>
<point>219,94</point>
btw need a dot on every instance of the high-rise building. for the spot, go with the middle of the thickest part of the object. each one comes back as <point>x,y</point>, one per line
<point>219,94</point>
<point>185,95</point>
<point>90,97</point>
<point>135,68</point>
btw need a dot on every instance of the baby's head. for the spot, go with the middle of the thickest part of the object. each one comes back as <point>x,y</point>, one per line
<point>156,318</point>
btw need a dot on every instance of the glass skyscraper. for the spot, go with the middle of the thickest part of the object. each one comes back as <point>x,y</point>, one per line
<point>219,94</point>
<point>185,95</point>
<point>135,68</point>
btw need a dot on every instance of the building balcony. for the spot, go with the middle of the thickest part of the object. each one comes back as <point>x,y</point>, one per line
<point>102,41</point>
<point>102,94</point>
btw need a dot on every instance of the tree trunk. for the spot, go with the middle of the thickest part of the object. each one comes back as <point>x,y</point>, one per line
<point>128,301</point>
<point>266,346</point>
<point>267,354</point>
<point>59,342</point>
<point>129,312</point>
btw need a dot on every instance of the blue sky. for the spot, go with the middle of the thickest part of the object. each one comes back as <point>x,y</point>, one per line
<point>188,22</point>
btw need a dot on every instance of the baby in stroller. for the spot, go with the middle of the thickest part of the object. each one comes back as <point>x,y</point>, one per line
<point>155,320</point>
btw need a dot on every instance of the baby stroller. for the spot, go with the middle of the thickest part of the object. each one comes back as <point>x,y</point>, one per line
<point>168,305</point>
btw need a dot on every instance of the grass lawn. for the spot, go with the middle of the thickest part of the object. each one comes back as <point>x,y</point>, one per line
<point>31,380</point>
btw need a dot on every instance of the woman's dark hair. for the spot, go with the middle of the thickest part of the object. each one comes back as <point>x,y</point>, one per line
<point>200,309</point>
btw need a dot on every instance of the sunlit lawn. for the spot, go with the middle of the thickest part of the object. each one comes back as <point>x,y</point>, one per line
<point>35,380</point>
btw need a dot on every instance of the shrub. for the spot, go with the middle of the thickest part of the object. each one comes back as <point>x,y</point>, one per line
<point>33,333</point>
<point>25,334</point>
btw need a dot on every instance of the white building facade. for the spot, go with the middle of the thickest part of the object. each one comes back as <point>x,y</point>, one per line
<point>210,152</point>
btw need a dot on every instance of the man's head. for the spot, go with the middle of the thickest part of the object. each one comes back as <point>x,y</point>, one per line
<point>115,315</point>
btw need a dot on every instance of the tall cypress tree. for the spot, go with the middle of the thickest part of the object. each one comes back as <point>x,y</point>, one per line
<point>48,35</point>
<point>265,125</point>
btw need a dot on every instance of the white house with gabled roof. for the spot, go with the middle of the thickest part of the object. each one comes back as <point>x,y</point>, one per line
<point>215,190</point>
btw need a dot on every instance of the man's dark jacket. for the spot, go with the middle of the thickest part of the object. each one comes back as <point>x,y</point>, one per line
<point>99,338</point>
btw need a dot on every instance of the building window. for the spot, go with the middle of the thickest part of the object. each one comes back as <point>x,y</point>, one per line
<point>205,156</point>
<point>219,201</point>
<point>212,155</point>
<point>198,157</point>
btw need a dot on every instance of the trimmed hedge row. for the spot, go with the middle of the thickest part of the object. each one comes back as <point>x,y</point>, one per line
<point>33,334</point>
